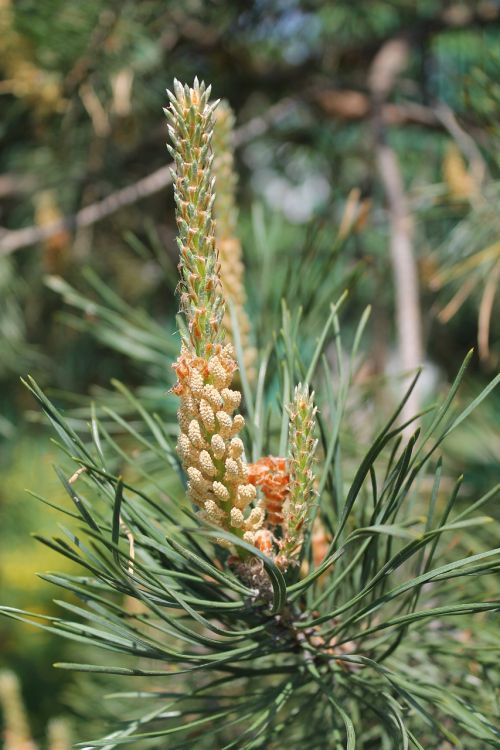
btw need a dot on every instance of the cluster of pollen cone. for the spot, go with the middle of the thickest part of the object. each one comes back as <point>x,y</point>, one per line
<point>208,444</point>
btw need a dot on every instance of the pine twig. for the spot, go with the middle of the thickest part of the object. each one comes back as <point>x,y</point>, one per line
<point>16,239</point>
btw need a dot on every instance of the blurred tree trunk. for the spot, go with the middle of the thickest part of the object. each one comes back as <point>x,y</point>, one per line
<point>388,63</point>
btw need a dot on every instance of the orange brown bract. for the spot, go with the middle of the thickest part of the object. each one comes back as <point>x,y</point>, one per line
<point>264,541</point>
<point>271,475</point>
<point>184,366</point>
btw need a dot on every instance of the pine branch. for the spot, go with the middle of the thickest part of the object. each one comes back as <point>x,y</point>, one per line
<point>12,240</point>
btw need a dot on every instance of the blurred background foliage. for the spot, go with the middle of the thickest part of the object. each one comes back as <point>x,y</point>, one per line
<point>81,95</point>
